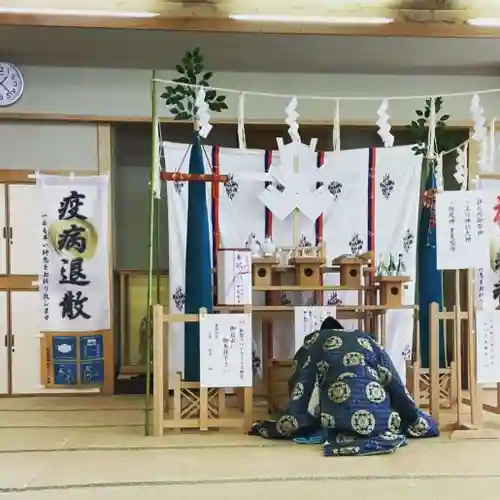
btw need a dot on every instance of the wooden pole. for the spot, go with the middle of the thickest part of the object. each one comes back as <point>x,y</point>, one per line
<point>154,166</point>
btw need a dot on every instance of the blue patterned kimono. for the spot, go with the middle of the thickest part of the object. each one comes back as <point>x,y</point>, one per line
<point>346,394</point>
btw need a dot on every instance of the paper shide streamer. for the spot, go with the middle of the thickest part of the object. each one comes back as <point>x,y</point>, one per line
<point>460,174</point>
<point>203,113</point>
<point>336,127</point>
<point>291,119</point>
<point>480,133</point>
<point>384,127</point>
<point>242,141</point>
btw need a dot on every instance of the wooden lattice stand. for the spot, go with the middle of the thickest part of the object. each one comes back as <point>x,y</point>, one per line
<point>194,407</point>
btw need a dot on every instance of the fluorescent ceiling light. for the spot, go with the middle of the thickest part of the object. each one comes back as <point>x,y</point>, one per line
<point>76,12</point>
<point>310,19</point>
<point>487,22</point>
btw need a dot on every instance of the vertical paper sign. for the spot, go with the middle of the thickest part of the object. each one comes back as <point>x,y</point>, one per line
<point>226,350</point>
<point>488,346</point>
<point>461,230</point>
<point>74,276</point>
<point>308,320</point>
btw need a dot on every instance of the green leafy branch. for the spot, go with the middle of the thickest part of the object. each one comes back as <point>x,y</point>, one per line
<point>181,99</point>
<point>419,128</point>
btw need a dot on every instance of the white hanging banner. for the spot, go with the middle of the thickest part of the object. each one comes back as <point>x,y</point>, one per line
<point>462,230</point>
<point>74,278</point>
<point>226,350</point>
<point>308,320</point>
<point>488,346</point>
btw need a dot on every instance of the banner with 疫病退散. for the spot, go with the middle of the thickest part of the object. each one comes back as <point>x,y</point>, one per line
<point>74,274</point>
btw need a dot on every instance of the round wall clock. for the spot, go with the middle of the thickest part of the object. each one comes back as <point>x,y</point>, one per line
<point>11,84</point>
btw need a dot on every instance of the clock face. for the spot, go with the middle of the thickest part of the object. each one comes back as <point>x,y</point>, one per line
<point>11,84</point>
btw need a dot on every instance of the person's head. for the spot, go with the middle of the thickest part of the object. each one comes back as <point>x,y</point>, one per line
<point>331,324</point>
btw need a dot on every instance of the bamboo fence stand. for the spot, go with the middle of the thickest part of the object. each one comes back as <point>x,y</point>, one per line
<point>194,407</point>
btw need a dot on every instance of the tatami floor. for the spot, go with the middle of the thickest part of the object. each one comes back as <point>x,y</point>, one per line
<point>82,453</point>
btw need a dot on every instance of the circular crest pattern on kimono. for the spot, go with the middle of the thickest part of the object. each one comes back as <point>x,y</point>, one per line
<point>298,391</point>
<point>339,392</point>
<point>345,375</point>
<point>394,423</point>
<point>418,428</point>
<point>363,422</point>
<point>354,359</point>
<point>311,339</point>
<point>333,342</point>
<point>327,421</point>
<point>375,392</point>
<point>384,375</point>
<point>287,425</point>
<point>365,343</point>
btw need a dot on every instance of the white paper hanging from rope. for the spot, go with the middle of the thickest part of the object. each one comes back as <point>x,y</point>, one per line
<point>242,140</point>
<point>438,173</point>
<point>203,113</point>
<point>336,127</point>
<point>384,127</point>
<point>461,169</point>
<point>431,137</point>
<point>291,119</point>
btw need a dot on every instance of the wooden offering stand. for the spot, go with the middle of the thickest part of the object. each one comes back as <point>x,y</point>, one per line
<point>351,268</point>
<point>307,263</point>
<point>391,289</point>
<point>262,269</point>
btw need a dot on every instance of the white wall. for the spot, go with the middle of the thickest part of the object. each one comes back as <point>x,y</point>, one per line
<point>126,93</point>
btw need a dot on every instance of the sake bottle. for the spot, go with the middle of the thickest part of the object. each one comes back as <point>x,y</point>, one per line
<point>391,268</point>
<point>401,268</point>
<point>381,268</point>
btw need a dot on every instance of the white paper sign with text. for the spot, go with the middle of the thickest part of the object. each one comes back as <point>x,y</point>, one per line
<point>462,230</point>
<point>226,350</point>
<point>308,320</point>
<point>488,346</point>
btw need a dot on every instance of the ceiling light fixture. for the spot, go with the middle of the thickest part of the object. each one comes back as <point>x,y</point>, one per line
<point>76,12</point>
<point>310,19</point>
<point>486,22</point>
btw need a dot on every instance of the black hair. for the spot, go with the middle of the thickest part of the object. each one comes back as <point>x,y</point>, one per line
<point>331,324</point>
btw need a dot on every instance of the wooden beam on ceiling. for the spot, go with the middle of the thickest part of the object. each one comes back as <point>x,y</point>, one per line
<point>422,18</point>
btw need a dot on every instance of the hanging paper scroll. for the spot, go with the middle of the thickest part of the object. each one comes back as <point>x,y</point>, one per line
<point>461,230</point>
<point>488,346</point>
<point>226,350</point>
<point>308,320</point>
<point>74,279</point>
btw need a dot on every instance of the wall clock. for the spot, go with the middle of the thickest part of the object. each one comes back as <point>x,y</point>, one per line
<point>11,84</point>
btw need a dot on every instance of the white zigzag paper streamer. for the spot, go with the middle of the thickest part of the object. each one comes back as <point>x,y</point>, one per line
<point>480,133</point>
<point>461,167</point>
<point>291,119</point>
<point>203,113</point>
<point>384,127</point>
<point>438,173</point>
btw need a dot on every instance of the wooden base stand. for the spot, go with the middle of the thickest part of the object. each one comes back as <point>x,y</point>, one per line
<point>277,392</point>
<point>202,408</point>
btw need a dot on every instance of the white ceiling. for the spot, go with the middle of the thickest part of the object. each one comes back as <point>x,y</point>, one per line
<point>249,52</point>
